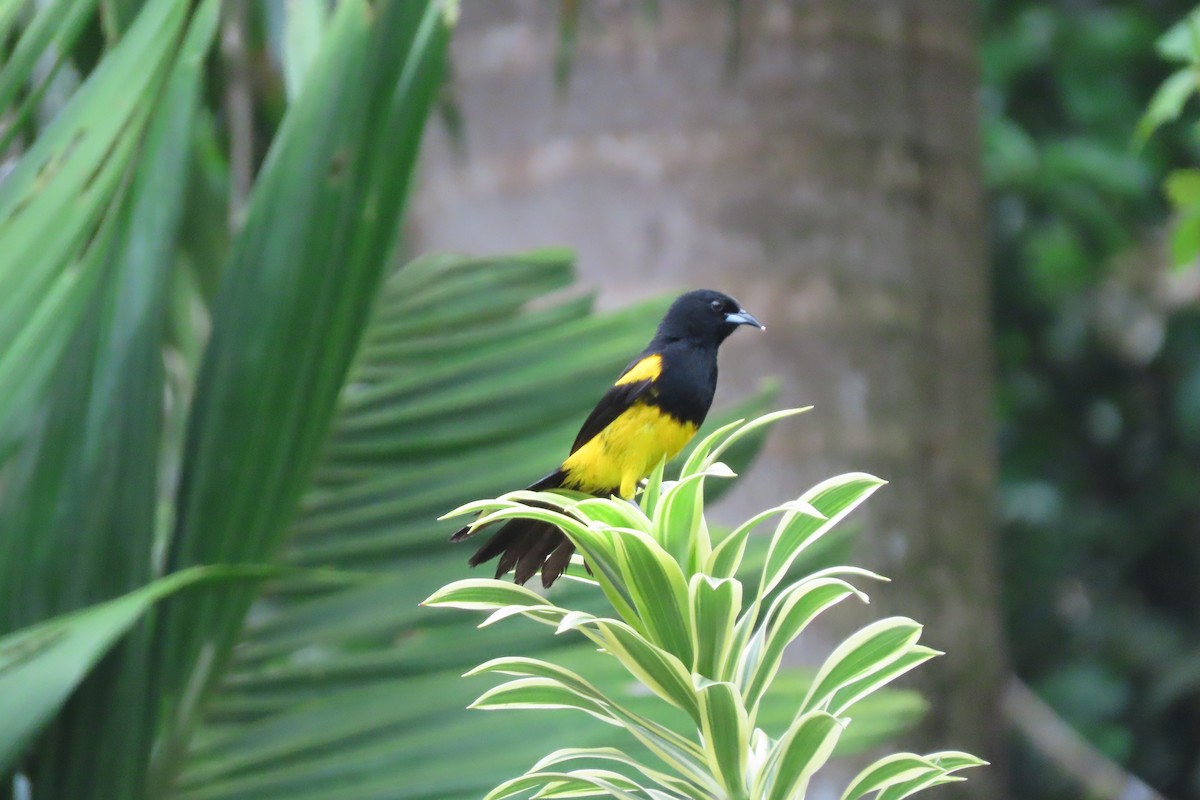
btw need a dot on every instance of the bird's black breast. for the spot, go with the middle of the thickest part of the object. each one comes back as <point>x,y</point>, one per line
<point>688,381</point>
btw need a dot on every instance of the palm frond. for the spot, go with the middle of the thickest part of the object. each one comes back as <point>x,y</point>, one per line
<point>320,227</point>
<point>79,506</point>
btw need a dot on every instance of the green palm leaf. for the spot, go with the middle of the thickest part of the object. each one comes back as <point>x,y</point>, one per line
<point>40,665</point>
<point>79,508</point>
<point>61,189</point>
<point>320,227</point>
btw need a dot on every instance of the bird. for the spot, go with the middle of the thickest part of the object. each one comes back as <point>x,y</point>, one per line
<point>650,413</point>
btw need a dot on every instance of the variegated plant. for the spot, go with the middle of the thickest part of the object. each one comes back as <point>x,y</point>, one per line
<point>685,626</point>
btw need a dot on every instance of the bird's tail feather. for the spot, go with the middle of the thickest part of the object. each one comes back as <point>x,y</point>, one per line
<point>552,481</point>
<point>526,544</point>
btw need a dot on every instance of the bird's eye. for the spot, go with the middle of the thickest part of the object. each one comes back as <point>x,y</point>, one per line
<point>716,305</point>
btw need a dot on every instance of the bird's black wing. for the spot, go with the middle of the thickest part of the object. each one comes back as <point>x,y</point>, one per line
<point>615,402</point>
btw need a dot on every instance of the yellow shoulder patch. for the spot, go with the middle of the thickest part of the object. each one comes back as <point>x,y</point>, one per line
<point>647,369</point>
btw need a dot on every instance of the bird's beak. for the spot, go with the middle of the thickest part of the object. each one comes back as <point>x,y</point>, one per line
<point>743,317</point>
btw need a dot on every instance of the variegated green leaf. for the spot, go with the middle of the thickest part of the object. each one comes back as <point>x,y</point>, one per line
<point>658,592</point>
<point>483,594</point>
<point>945,764</point>
<point>614,512</point>
<point>599,545</point>
<point>715,605</point>
<point>653,491</point>
<point>839,571</point>
<point>865,653</point>
<point>534,693</point>
<point>760,754</point>
<point>577,783</point>
<point>745,646</point>
<point>725,730</point>
<point>694,646</point>
<point>834,498</point>
<point>726,558</point>
<point>889,771</point>
<point>749,429</point>
<point>789,615</point>
<point>851,693</point>
<point>679,518</point>
<point>671,747</point>
<point>532,667</point>
<point>801,751</point>
<point>700,451</point>
<point>954,760</point>
<point>546,613</point>
<point>677,786</point>
<point>908,788</point>
<point>660,671</point>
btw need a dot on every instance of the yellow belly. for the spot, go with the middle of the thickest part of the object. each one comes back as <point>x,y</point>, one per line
<point>625,452</point>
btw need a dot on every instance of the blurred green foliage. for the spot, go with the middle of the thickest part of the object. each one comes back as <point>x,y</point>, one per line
<point>210,359</point>
<point>1098,355</point>
<point>1181,46</point>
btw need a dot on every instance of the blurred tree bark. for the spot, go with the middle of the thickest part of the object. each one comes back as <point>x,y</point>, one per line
<point>823,167</point>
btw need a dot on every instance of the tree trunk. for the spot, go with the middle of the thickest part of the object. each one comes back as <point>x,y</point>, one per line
<point>831,182</point>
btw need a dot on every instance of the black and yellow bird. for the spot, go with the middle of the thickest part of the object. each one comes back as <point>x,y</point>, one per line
<point>653,410</point>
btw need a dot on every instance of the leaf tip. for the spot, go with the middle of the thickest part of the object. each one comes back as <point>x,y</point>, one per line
<point>457,512</point>
<point>720,469</point>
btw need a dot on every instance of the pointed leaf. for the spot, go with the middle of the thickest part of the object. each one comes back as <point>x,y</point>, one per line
<point>865,653</point>
<point>658,670</point>
<point>834,498</point>
<point>483,594</point>
<point>845,698</point>
<point>668,745</point>
<point>749,429</point>
<point>668,782</point>
<point>788,616</point>
<point>679,519</point>
<point>658,592</point>
<point>1167,103</point>
<point>954,760</point>
<point>528,693</point>
<point>888,771</point>
<point>579,783</point>
<point>699,453</point>
<point>802,750</point>
<point>714,605</point>
<point>725,730</point>
<point>726,558</point>
<point>908,788</point>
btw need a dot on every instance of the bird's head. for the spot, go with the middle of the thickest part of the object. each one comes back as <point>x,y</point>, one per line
<point>705,315</point>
